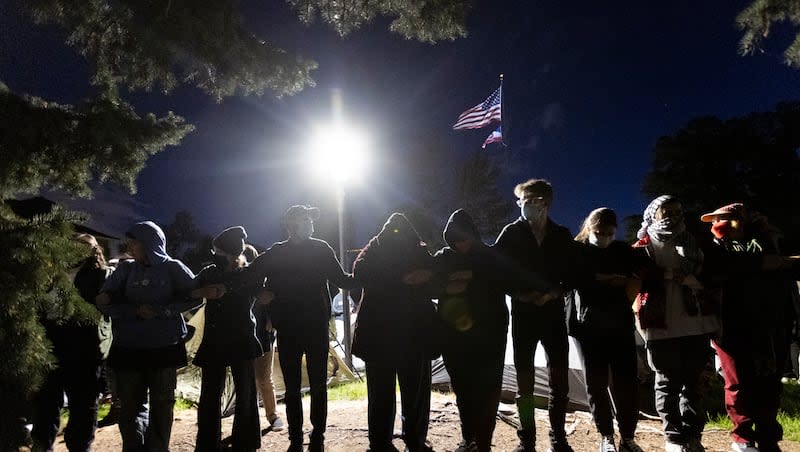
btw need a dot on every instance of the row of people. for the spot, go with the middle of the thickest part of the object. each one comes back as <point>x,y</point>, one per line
<point>399,329</point>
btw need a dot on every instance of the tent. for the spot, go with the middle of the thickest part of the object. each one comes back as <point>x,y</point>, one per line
<point>577,380</point>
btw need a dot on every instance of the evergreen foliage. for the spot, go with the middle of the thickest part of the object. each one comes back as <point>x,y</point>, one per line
<point>757,20</point>
<point>133,45</point>
<point>754,159</point>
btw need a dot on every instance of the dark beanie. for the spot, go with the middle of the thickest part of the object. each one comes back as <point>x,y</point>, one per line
<point>230,241</point>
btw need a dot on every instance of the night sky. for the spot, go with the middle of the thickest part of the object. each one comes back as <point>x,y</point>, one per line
<point>594,84</point>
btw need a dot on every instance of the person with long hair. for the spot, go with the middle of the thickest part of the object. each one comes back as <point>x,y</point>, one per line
<point>394,332</point>
<point>229,341</point>
<point>602,321</point>
<point>675,319</point>
<point>78,348</point>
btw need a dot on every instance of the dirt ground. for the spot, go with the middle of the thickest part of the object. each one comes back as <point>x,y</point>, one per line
<point>347,431</point>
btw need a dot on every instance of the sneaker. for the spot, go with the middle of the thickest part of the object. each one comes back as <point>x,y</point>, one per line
<point>607,444</point>
<point>743,447</point>
<point>669,446</point>
<point>467,446</point>
<point>277,425</point>
<point>629,445</point>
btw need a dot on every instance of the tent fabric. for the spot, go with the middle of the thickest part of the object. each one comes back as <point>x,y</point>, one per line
<point>578,398</point>
<point>189,377</point>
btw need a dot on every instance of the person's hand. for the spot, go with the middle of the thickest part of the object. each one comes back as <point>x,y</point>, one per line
<point>145,312</point>
<point>417,277</point>
<point>209,292</point>
<point>265,297</point>
<point>456,287</point>
<point>460,275</point>
<point>692,282</point>
<point>102,299</point>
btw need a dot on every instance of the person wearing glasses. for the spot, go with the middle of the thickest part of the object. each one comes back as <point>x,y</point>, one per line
<point>542,260</point>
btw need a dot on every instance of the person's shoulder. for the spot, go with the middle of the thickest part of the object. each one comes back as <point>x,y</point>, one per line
<point>514,227</point>
<point>179,268</point>
<point>319,243</point>
<point>444,252</point>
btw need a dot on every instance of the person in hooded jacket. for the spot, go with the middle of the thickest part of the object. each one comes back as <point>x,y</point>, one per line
<point>757,316</point>
<point>229,340</point>
<point>542,261</point>
<point>602,321</point>
<point>676,320</point>
<point>145,297</point>
<point>473,311</point>
<point>394,333</point>
<point>79,350</point>
<point>298,271</point>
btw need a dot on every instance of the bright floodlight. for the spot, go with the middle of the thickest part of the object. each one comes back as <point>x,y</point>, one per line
<point>338,152</point>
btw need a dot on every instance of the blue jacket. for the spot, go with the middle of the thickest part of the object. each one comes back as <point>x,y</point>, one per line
<point>164,284</point>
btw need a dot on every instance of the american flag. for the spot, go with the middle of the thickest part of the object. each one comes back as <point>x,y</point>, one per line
<point>494,137</point>
<point>482,114</point>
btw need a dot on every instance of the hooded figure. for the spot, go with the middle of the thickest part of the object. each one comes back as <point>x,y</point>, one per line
<point>394,333</point>
<point>474,317</point>
<point>145,297</point>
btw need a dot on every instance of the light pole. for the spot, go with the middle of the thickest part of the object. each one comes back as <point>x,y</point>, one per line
<point>337,152</point>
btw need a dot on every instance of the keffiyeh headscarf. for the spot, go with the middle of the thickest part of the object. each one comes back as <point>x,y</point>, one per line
<point>663,229</point>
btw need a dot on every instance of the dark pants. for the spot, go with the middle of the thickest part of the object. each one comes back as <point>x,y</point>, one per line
<point>614,357</point>
<point>246,433</point>
<point>548,326</point>
<point>414,377</point>
<point>477,386</point>
<point>80,381</point>
<point>142,428</point>
<point>752,399</point>
<point>679,363</point>
<point>290,356</point>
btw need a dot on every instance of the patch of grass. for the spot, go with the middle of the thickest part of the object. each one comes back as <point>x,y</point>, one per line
<point>788,417</point>
<point>356,390</point>
<point>183,404</point>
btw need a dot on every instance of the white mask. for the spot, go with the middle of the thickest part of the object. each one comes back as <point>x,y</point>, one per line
<point>600,242</point>
<point>532,212</point>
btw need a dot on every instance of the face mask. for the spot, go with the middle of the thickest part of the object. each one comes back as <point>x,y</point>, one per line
<point>532,212</point>
<point>669,223</point>
<point>600,242</point>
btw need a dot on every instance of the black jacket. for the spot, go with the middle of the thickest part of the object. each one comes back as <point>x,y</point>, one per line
<point>555,264</point>
<point>601,310</point>
<point>396,321</point>
<point>229,332</point>
<point>298,273</point>
<point>477,317</point>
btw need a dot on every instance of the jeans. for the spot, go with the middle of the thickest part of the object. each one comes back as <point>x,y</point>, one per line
<point>679,363</point>
<point>142,430</point>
